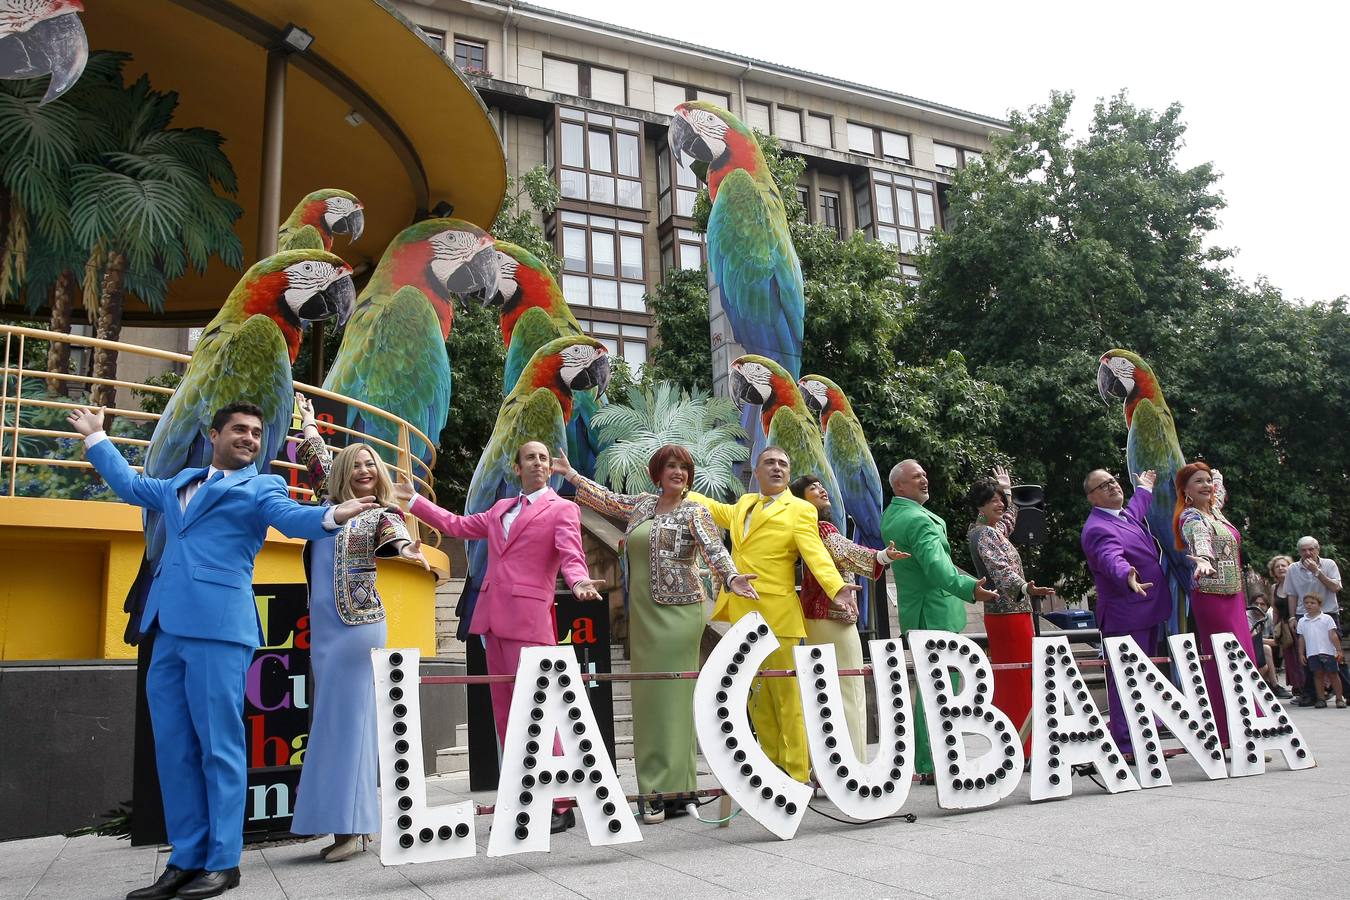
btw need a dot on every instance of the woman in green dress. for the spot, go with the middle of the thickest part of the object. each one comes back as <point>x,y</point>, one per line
<point>664,539</point>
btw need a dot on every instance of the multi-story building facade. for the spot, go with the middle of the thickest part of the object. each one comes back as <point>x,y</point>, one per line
<point>592,102</point>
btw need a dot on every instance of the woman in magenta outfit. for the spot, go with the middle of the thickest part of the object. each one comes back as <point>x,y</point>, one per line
<point>1217,599</point>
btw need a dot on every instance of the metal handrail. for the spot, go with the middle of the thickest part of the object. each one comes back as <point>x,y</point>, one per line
<point>13,401</point>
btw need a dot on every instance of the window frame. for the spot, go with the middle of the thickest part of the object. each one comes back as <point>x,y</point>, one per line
<point>631,228</point>
<point>691,92</point>
<point>609,125</point>
<point>584,78</point>
<point>838,225</point>
<point>869,215</point>
<point>962,156</point>
<point>474,42</point>
<point>667,194</point>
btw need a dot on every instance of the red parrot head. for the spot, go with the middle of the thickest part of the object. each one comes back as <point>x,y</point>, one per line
<point>823,397</point>
<point>759,381</point>
<point>714,137</point>
<point>296,287</point>
<point>1124,376</point>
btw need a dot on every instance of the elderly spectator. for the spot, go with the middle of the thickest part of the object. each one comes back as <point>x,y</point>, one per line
<point>1312,576</point>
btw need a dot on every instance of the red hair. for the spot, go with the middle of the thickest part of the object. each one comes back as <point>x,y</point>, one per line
<point>670,451</point>
<point>1184,474</point>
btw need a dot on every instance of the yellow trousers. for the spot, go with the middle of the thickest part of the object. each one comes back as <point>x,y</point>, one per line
<point>776,711</point>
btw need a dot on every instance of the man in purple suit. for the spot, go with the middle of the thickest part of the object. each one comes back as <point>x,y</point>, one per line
<point>1132,595</point>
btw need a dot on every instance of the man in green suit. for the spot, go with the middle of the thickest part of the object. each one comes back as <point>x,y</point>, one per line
<point>930,588</point>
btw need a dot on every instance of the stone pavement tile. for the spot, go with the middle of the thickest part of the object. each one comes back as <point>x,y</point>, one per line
<point>22,863</point>
<point>89,866</point>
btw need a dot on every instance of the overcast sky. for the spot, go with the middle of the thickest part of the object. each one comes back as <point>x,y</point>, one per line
<point>1263,95</point>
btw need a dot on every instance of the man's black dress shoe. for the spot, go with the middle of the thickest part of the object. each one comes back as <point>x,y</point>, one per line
<point>211,884</point>
<point>562,821</point>
<point>166,886</point>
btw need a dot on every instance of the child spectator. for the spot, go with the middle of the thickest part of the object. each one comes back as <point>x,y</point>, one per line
<point>1319,645</point>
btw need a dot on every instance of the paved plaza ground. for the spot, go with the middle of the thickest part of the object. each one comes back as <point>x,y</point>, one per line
<point>1261,837</point>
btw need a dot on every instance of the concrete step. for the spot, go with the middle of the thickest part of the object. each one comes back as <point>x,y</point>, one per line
<point>452,760</point>
<point>623,726</point>
<point>623,747</point>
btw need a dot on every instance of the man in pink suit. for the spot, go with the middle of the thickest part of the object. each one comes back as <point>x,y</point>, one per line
<point>1132,594</point>
<point>530,536</point>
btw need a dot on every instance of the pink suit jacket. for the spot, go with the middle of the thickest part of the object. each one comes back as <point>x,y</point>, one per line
<point>516,600</point>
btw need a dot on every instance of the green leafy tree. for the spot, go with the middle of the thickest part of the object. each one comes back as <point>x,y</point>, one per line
<point>149,210</point>
<point>662,414</point>
<point>1057,249</point>
<point>683,352</point>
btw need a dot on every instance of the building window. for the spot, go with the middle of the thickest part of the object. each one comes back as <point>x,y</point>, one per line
<point>602,262</point>
<point>862,139</point>
<point>829,212</point>
<point>435,35</point>
<point>910,274</point>
<point>626,341</point>
<point>789,122</point>
<point>599,157</point>
<point>904,210</point>
<point>584,80</point>
<point>804,200</point>
<point>471,55</point>
<point>676,186</point>
<point>877,142</point>
<point>894,146</point>
<point>951,158</point>
<point>667,96</point>
<point>819,130</point>
<point>682,248</point>
<point>757,116</point>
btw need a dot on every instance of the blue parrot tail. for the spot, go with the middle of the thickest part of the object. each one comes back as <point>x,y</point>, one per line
<point>137,596</point>
<point>468,600</point>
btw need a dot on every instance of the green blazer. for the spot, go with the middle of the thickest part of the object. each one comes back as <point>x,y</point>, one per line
<point>930,588</point>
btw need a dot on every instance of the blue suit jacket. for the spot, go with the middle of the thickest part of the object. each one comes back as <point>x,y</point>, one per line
<point>203,585</point>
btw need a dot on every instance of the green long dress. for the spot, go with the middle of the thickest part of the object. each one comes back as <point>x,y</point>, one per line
<point>663,638</point>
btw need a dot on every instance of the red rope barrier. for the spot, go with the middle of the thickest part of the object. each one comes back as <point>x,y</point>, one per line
<point>767,673</point>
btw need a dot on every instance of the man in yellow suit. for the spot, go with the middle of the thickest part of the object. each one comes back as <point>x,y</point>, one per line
<point>769,531</point>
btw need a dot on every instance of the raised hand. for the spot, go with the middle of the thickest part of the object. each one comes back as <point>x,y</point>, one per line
<point>1148,479</point>
<point>741,586</point>
<point>560,464</point>
<point>350,509</point>
<point>412,551</point>
<point>86,421</point>
<point>1003,478</point>
<point>306,411</point>
<point>588,589</point>
<point>403,493</point>
<point>893,553</point>
<point>1139,587</point>
<point>983,594</point>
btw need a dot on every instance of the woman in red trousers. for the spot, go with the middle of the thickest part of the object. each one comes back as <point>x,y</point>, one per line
<point>1007,620</point>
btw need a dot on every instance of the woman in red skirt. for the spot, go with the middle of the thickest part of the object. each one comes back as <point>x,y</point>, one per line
<point>1007,620</point>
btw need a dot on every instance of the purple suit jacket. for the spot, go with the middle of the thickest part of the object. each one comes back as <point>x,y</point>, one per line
<point>1112,545</point>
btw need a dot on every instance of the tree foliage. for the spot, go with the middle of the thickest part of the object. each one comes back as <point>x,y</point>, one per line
<point>1057,249</point>
<point>664,413</point>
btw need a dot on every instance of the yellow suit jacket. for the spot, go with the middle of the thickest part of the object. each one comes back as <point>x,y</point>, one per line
<point>778,535</point>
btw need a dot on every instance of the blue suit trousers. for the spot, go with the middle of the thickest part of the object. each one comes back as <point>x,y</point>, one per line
<point>195,689</point>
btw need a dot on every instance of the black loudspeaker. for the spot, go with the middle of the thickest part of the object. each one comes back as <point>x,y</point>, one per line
<point>1030,502</point>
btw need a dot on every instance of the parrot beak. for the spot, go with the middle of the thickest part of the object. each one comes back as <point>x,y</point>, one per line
<point>333,302</point>
<point>1108,385</point>
<point>813,402</point>
<point>354,224</point>
<point>743,393</point>
<point>596,375</point>
<point>684,140</point>
<point>56,46</point>
<point>478,276</point>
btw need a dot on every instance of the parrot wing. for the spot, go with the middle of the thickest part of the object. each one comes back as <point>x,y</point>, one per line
<point>306,237</point>
<point>393,358</point>
<point>237,362</point>
<point>859,481</point>
<point>751,255</point>
<point>1152,444</point>
<point>800,439</point>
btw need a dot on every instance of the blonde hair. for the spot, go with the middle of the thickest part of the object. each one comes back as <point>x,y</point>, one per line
<point>340,476</point>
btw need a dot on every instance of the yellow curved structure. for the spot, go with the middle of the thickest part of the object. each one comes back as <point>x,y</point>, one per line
<point>67,564</point>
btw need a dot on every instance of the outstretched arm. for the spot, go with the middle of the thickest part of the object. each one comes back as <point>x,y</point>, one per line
<point>594,494</point>
<point>312,453</point>
<point>722,513</point>
<point>133,488</point>
<point>937,566</point>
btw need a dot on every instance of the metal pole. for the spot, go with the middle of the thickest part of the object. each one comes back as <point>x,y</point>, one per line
<point>274,113</point>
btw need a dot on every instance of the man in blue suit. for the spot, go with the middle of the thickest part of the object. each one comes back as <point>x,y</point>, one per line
<point>202,609</point>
